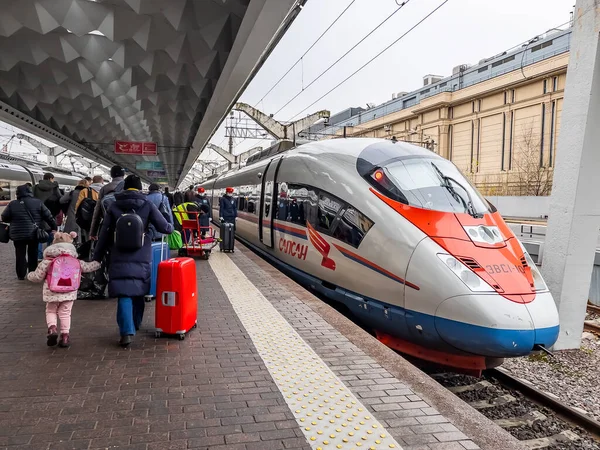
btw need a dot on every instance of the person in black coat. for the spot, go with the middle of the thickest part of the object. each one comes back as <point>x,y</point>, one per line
<point>23,229</point>
<point>129,271</point>
<point>228,207</point>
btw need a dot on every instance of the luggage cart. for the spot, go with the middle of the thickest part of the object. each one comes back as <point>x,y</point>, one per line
<point>193,244</point>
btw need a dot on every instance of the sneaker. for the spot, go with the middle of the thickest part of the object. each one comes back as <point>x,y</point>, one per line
<point>65,340</point>
<point>125,341</point>
<point>52,339</point>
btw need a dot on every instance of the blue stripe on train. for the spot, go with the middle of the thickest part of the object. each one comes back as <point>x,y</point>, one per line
<point>439,333</point>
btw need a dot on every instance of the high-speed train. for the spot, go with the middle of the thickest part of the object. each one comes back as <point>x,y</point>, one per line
<point>400,236</point>
<point>13,174</point>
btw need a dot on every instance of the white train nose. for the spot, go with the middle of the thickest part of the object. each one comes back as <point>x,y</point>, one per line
<point>486,324</point>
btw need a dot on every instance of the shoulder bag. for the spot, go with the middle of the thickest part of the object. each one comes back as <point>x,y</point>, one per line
<point>39,234</point>
<point>4,233</point>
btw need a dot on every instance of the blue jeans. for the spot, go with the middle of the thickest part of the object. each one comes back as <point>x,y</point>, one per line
<point>41,245</point>
<point>130,313</point>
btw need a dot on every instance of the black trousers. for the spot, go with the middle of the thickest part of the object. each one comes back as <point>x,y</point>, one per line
<point>26,253</point>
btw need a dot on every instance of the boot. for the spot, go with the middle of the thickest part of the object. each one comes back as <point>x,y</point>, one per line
<point>125,341</point>
<point>65,340</point>
<point>52,336</point>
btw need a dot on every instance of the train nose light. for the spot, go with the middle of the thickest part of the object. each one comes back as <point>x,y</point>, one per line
<point>538,281</point>
<point>466,275</point>
<point>378,175</point>
<point>485,234</point>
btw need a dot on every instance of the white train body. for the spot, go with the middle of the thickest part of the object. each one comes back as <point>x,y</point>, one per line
<point>358,220</point>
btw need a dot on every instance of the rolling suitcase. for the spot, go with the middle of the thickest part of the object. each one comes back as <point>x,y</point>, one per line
<point>176,310</point>
<point>227,236</point>
<point>160,252</point>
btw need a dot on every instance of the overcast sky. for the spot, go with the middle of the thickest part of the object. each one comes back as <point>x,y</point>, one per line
<point>460,32</point>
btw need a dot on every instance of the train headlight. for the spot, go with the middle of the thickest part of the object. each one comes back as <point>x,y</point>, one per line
<point>538,281</point>
<point>466,275</point>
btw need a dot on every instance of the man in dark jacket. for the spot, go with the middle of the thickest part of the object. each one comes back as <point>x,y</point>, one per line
<point>48,192</point>
<point>170,198</point>
<point>117,173</point>
<point>228,207</point>
<point>177,198</point>
<point>23,228</point>
<point>129,271</point>
<point>189,195</point>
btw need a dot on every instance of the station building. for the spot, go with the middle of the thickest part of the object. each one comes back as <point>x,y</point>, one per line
<point>497,120</point>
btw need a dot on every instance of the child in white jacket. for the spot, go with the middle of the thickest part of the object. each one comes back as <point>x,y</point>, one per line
<point>59,304</point>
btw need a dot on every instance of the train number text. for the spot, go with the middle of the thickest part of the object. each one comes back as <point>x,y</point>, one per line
<point>503,268</point>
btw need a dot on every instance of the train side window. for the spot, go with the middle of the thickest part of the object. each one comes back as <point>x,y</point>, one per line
<point>6,191</point>
<point>298,203</point>
<point>352,227</point>
<point>328,211</point>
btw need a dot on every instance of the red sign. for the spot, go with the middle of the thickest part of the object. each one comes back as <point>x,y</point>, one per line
<point>136,148</point>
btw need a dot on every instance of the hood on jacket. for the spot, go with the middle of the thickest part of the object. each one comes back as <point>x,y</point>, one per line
<point>24,191</point>
<point>47,185</point>
<point>62,248</point>
<point>130,200</point>
<point>97,186</point>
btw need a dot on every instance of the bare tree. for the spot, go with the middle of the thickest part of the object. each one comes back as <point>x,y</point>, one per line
<point>531,176</point>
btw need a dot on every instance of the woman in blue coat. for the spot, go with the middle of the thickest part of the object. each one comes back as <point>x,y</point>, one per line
<point>129,270</point>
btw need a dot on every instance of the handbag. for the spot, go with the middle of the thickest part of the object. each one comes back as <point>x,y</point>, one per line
<point>174,240</point>
<point>40,234</point>
<point>4,233</point>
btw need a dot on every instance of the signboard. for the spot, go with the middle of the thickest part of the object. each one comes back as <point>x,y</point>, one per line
<point>136,148</point>
<point>156,173</point>
<point>149,165</point>
<point>162,180</point>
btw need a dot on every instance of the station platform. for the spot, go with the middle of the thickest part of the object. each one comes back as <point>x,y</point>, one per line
<point>270,366</point>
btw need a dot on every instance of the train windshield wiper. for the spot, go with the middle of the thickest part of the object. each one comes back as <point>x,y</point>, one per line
<point>469,208</point>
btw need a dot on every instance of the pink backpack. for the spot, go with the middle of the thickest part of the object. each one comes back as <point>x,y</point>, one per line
<point>64,274</point>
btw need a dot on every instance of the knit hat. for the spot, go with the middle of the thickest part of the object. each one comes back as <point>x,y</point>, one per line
<point>133,182</point>
<point>117,171</point>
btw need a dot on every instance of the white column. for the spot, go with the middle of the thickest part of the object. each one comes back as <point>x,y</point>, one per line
<point>574,217</point>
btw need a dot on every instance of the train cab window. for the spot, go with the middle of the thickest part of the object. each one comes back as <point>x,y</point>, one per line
<point>328,210</point>
<point>429,183</point>
<point>352,227</point>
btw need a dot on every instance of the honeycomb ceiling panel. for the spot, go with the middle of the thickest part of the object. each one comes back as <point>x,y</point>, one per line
<point>106,70</point>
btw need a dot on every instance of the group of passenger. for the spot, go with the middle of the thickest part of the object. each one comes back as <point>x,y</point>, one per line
<point>116,222</point>
<point>93,211</point>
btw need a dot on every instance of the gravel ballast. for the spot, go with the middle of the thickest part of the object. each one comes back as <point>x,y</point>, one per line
<point>573,376</point>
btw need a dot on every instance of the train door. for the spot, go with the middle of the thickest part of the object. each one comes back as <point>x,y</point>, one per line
<point>267,197</point>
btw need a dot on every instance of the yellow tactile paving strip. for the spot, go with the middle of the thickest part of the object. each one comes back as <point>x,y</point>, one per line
<point>329,415</point>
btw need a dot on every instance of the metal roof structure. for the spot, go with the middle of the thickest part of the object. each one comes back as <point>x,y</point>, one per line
<point>86,73</point>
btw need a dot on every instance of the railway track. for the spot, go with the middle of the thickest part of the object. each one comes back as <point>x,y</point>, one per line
<point>593,326</point>
<point>538,419</point>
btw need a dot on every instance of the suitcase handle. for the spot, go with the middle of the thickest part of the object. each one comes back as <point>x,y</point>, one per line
<point>168,298</point>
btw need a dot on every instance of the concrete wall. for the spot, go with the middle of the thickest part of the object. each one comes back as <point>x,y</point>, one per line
<point>524,207</point>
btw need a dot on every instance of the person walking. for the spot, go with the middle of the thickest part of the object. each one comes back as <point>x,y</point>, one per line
<point>189,195</point>
<point>161,202</point>
<point>70,198</point>
<point>205,211</point>
<point>60,261</point>
<point>117,173</point>
<point>48,192</point>
<point>130,256</point>
<point>89,198</point>
<point>25,215</point>
<point>177,198</point>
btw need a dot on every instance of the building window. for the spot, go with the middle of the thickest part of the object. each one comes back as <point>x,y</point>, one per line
<point>450,112</point>
<point>479,105</point>
<point>450,142</point>
<point>545,86</point>
<point>551,149</point>
<point>473,106</point>
<point>541,46</point>
<point>542,135</point>
<point>555,84</point>
<point>441,85</point>
<point>472,145</point>
<point>426,91</point>
<point>510,140</point>
<point>503,61</point>
<point>512,96</point>
<point>505,97</point>
<point>503,140</point>
<point>482,69</point>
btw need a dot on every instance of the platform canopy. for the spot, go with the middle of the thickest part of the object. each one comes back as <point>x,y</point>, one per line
<point>84,74</point>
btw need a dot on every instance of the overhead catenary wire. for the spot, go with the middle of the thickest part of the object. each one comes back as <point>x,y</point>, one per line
<point>345,54</point>
<point>371,60</point>
<point>306,52</point>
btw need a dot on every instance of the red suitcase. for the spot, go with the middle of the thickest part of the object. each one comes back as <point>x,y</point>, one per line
<point>176,310</point>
